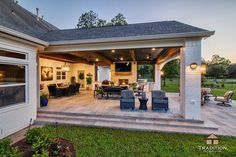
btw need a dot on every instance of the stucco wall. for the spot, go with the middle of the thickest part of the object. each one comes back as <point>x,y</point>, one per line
<point>54,64</point>
<point>131,77</point>
<point>87,68</point>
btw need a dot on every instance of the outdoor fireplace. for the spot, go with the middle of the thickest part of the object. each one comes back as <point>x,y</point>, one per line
<point>123,81</point>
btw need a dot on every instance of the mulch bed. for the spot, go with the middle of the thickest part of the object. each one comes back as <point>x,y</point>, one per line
<point>65,148</point>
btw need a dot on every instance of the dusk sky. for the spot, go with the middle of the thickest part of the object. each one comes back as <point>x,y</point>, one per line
<point>217,15</point>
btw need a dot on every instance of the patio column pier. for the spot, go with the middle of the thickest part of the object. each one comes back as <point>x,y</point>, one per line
<point>190,80</point>
<point>157,77</point>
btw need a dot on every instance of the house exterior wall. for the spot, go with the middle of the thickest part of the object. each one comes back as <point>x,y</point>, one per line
<point>16,117</point>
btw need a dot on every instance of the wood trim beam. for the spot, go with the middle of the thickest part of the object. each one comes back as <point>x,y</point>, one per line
<point>95,55</point>
<point>171,52</point>
<point>132,54</point>
<point>65,58</point>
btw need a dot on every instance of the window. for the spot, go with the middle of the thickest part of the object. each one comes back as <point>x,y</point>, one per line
<point>146,71</point>
<point>12,84</point>
<point>12,55</point>
<point>61,75</point>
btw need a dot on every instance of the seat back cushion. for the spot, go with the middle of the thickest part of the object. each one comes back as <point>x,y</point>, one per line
<point>158,94</point>
<point>127,94</point>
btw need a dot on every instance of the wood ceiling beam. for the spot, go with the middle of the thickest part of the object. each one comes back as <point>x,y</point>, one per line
<point>171,52</point>
<point>94,55</point>
<point>64,58</point>
<point>132,54</point>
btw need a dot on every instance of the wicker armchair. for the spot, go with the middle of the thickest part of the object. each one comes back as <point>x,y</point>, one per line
<point>159,100</point>
<point>127,100</point>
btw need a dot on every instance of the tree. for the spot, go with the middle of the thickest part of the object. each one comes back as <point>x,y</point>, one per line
<point>172,68</point>
<point>101,23</point>
<point>216,59</point>
<point>217,70</point>
<point>218,66</point>
<point>88,20</point>
<point>232,70</point>
<point>146,71</point>
<point>119,20</point>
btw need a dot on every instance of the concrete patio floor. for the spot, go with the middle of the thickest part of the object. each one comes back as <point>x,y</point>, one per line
<point>224,118</point>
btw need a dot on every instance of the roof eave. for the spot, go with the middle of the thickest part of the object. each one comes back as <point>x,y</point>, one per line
<point>23,36</point>
<point>202,34</point>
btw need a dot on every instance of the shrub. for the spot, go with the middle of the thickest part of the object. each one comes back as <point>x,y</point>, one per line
<point>33,135</point>
<point>6,150</point>
<point>39,141</point>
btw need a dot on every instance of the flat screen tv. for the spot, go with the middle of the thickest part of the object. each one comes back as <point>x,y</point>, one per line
<point>123,67</point>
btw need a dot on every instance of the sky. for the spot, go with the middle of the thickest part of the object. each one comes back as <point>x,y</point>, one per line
<point>213,15</point>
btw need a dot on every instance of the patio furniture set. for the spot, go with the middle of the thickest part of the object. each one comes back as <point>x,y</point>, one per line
<point>159,100</point>
<point>58,90</point>
<point>223,100</point>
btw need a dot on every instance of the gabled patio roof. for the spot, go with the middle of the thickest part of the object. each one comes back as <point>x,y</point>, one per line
<point>155,30</point>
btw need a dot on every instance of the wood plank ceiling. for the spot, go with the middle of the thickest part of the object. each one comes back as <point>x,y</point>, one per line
<point>107,57</point>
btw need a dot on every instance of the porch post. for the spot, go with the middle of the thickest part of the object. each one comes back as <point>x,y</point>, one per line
<point>158,77</point>
<point>190,84</point>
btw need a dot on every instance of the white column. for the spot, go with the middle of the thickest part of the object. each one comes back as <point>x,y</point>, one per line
<point>157,77</point>
<point>190,84</point>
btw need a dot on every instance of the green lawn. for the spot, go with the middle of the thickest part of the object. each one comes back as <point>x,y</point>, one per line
<point>101,142</point>
<point>172,85</point>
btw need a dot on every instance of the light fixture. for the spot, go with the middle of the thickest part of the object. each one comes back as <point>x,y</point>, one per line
<point>193,66</point>
<point>121,58</point>
<point>153,49</point>
<point>113,51</point>
<point>203,69</point>
<point>97,60</point>
<point>148,56</point>
<point>162,73</point>
<point>65,68</point>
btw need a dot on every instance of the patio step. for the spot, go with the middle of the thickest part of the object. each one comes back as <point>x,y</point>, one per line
<point>128,122</point>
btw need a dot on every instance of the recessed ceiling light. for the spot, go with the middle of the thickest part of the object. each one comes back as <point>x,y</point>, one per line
<point>148,57</point>
<point>113,51</point>
<point>153,49</point>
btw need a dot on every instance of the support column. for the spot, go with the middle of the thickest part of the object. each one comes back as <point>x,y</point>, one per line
<point>157,77</point>
<point>190,84</point>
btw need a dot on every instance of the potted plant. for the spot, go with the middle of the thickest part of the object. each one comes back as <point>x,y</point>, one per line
<point>89,82</point>
<point>100,93</point>
<point>44,100</point>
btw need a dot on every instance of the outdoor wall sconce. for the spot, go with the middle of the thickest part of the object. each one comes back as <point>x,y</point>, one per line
<point>203,69</point>
<point>162,73</point>
<point>193,66</point>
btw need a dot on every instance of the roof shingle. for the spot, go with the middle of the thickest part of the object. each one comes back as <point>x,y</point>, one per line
<point>15,17</point>
<point>140,29</point>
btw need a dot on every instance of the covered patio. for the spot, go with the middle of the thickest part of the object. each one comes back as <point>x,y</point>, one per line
<point>83,52</point>
<point>155,51</point>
